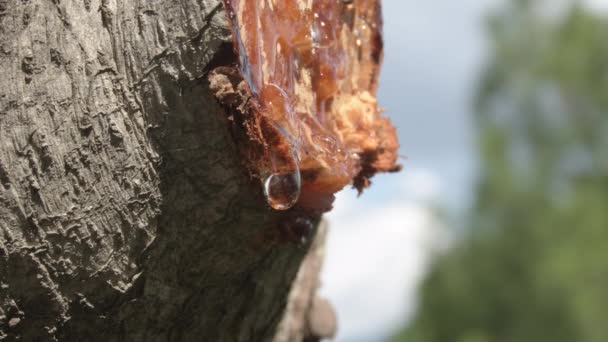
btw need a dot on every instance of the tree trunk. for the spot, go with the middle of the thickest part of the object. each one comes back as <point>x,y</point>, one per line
<point>125,211</point>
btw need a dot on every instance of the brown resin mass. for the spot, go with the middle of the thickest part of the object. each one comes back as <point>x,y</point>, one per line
<point>311,71</point>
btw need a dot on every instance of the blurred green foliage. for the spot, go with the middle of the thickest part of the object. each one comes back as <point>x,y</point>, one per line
<point>533,264</point>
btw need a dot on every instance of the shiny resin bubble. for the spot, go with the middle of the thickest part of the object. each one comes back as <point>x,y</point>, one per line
<point>282,190</point>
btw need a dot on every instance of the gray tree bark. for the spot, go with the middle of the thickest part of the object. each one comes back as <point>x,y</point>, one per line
<point>125,211</point>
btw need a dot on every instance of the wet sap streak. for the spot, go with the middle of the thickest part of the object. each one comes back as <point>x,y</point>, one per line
<point>302,64</point>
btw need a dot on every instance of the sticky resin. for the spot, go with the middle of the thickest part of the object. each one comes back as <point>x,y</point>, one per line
<point>311,69</point>
<point>282,181</point>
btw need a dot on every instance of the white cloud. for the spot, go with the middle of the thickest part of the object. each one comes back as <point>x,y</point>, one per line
<point>376,257</point>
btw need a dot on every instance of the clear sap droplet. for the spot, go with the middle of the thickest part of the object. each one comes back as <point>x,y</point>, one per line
<point>282,190</point>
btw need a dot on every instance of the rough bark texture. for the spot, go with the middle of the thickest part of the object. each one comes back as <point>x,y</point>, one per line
<point>125,212</point>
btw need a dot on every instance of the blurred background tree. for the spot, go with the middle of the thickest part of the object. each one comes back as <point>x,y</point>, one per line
<point>533,262</point>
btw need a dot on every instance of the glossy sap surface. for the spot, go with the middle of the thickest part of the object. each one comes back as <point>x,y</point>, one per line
<point>311,67</point>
